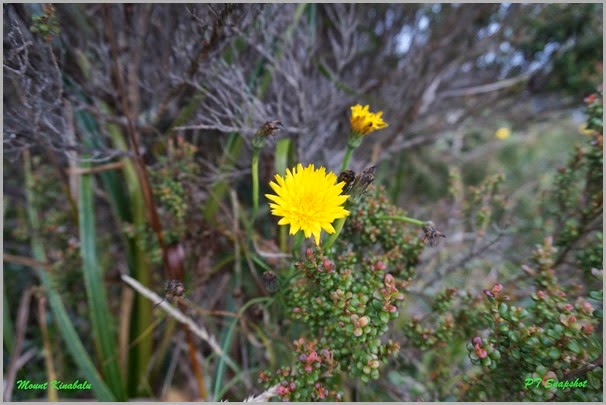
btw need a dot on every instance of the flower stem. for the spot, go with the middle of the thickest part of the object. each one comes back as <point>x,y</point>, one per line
<point>347,157</point>
<point>298,241</point>
<point>331,240</point>
<point>403,219</point>
<point>255,182</point>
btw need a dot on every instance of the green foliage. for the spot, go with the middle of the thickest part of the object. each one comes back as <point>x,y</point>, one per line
<point>348,303</point>
<point>551,338</point>
<point>575,68</point>
<point>542,328</point>
<point>173,175</point>
<point>46,25</point>
<point>577,204</point>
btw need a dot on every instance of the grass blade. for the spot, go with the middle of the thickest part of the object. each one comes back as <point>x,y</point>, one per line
<point>73,343</point>
<point>102,324</point>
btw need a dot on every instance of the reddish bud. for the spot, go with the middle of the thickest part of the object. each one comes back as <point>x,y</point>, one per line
<point>313,356</point>
<point>588,329</point>
<point>497,288</point>
<point>476,341</point>
<point>568,307</point>
<point>380,265</point>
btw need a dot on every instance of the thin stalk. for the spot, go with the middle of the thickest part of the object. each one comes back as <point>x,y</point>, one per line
<point>403,219</point>
<point>52,394</point>
<point>283,155</point>
<point>331,240</point>
<point>347,157</point>
<point>255,182</point>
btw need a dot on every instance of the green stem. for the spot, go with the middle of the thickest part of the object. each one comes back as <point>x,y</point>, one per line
<point>331,240</point>
<point>255,183</point>
<point>298,241</point>
<point>403,219</point>
<point>347,157</point>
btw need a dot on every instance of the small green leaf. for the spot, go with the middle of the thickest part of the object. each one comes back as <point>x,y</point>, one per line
<point>554,353</point>
<point>574,347</point>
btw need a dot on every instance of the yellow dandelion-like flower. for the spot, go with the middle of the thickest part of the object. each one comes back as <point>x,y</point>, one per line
<point>502,133</point>
<point>364,122</point>
<point>308,200</point>
<point>583,130</point>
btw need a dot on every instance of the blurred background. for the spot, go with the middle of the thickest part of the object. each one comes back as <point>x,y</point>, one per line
<point>127,145</point>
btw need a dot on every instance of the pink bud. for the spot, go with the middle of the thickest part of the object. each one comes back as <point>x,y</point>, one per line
<point>497,288</point>
<point>588,329</point>
<point>313,356</point>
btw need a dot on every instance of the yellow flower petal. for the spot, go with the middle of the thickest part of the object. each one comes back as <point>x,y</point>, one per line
<point>502,133</point>
<point>363,121</point>
<point>308,199</point>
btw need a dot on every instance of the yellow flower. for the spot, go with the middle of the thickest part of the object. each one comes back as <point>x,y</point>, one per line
<point>364,122</point>
<point>308,200</point>
<point>503,133</point>
<point>584,131</point>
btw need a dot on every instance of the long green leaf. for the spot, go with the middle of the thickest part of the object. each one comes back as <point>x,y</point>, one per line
<point>102,323</point>
<point>73,343</point>
<point>138,265</point>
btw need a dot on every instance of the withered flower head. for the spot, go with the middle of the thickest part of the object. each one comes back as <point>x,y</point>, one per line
<point>267,129</point>
<point>174,289</point>
<point>432,235</point>
<point>357,188</point>
<point>347,177</point>
<point>270,279</point>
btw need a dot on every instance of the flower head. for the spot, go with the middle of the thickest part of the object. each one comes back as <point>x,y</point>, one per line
<point>364,122</point>
<point>308,200</point>
<point>583,130</point>
<point>502,133</point>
